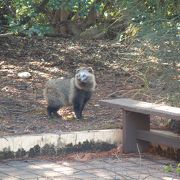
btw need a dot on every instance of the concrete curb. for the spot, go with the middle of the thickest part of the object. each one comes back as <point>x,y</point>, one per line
<point>26,142</point>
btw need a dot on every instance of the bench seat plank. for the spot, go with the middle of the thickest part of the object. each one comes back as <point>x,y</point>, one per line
<point>159,137</point>
<point>145,107</point>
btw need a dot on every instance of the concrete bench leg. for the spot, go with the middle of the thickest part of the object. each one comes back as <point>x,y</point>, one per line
<point>132,122</point>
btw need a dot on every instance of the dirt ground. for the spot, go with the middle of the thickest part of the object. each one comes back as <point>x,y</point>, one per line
<point>22,107</point>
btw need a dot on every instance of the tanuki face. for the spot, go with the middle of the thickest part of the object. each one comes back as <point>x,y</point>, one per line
<point>83,75</point>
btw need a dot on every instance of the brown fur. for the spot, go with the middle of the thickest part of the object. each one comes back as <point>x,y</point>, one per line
<point>61,92</point>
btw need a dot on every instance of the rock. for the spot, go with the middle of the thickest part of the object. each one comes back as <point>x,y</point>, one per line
<point>96,105</point>
<point>24,75</point>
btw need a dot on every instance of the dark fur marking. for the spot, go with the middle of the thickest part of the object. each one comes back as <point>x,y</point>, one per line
<point>80,99</point>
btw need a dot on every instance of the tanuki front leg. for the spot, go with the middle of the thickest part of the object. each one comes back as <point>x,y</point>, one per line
<point>78,108</point>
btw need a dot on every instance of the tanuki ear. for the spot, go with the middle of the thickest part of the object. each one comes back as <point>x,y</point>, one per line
<point>90,69</point>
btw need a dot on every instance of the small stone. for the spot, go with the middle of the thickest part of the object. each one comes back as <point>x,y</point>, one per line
<point>24,75</point>
<point>96,105</point>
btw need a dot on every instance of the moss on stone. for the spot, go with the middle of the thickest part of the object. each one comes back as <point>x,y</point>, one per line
<point>35,151</point>
<point>20,153</point>
<point>48,149</point>
<point>6,154</point>
<point>51,150</point>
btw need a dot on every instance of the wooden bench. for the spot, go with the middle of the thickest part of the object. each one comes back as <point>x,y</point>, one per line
<point>136,124</point>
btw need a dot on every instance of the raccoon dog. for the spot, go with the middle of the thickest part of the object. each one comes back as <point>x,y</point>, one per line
<point>66,92</point>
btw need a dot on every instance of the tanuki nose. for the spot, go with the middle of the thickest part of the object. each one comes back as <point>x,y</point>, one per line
<point>84,78</point>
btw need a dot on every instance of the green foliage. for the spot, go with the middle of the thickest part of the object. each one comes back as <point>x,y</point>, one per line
<point>39,29</point>
<point>145,16</point>
<point>55,4</point>
<point>81,7</point>
<point>27,9</point>
<point>34,22</point>
<point>154,16</point>
<point>178,169</point>
<point>158,37</point>
<point>169,168</point>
